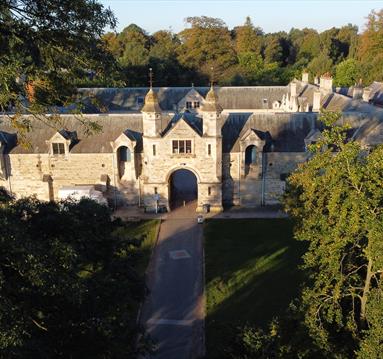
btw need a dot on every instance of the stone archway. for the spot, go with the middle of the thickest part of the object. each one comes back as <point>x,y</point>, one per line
<point>183,188</point>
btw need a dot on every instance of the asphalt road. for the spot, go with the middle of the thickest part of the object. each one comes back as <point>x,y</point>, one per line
<point>173,312</point>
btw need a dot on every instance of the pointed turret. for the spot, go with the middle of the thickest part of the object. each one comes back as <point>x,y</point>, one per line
<point>211,111</point>
<point>151,112</point>
<point>211,102</point>
<point>151,102</point>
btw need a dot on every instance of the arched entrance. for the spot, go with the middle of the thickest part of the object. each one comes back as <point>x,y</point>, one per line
<point>183,188</point>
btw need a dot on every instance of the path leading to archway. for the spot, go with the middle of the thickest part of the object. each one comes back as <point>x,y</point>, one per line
<point>173,313</point>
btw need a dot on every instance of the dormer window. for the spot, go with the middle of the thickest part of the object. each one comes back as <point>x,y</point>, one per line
<point>140,100</point>
<point>58,148</point>
<point>196,104</point>
<point>189,104</point>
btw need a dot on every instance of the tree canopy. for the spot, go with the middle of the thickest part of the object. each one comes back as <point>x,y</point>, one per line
<point>68,287</point>
<point>245,55</point>
<point>49,47</point>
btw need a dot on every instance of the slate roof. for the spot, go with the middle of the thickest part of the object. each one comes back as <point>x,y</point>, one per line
<point>287,130</point>
<point>131,99</point>
<point>193,121</point>
<point>112,127</point>
<point>283,131</point>
<point>376,95</point>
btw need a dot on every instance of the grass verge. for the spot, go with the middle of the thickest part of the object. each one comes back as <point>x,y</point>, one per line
<point>251,275</point>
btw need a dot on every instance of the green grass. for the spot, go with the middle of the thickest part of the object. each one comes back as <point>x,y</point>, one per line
<point>251,274</point>
<point>141,254</point>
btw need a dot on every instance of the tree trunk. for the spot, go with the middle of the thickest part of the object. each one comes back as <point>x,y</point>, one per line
<point>366,289</point>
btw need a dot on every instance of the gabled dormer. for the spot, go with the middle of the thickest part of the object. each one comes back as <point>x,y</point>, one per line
<point>124,155</point>
<point>191,102</point>
<point>252,143</point>
<point>61,142</point>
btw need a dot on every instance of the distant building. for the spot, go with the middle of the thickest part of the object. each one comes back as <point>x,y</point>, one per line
<point>238,143</point>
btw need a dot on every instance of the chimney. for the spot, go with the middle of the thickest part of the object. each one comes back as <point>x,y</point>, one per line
<point>325,84</point>
<point>316,100</point>
<point>366,94</point>
<point>293,89</point>
<point>316,80</point>
<point>305,77</point>
<point>357,92</point>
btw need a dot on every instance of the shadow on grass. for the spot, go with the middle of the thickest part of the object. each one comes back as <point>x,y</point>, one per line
<point>251,275</point>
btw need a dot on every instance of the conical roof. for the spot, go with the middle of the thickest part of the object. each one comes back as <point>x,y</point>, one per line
<point>211,102</point>
<point>151,102</point>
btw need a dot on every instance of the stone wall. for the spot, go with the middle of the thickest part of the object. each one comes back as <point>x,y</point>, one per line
<point>43,175</point>
<point>263,183</point>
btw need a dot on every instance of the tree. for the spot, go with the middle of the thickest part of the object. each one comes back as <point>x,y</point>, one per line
<point>200,48</point>
<point>46,48</point>
<point>336,200</point>
<point>68,288</point>
<point>347,73</point>
<point>248,39</point>
<point>371,48</point>
<point>134,45</point>
<point>320,65</point>
<point>273,51</point>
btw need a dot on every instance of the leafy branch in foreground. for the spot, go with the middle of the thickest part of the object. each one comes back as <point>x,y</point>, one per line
<point>46,47</point>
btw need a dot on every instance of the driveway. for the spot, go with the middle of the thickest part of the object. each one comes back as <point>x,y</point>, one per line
<point>173,312</point>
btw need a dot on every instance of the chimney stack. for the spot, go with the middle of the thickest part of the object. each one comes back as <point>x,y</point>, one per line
<point>293,89</point>
<point>316,100</point>
<point>325,84</point>
<point>357,92</point>
<point>305,77</point>
<point>366,94</point>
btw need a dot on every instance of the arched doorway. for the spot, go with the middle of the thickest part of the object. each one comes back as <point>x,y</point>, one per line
<point>183,188</point>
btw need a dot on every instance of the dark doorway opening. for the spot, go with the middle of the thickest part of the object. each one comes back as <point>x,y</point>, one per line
<point>183,188</point>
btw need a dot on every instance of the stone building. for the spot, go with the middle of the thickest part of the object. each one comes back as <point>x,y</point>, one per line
<point>159,146</point>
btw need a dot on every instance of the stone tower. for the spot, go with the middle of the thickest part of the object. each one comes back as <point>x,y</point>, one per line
<point>211,111</point>
<point>151,113</point>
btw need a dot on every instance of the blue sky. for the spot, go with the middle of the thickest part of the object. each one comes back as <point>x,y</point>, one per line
<point>272,15</point>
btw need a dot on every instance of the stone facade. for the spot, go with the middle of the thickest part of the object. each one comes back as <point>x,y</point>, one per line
<point>240,153</point>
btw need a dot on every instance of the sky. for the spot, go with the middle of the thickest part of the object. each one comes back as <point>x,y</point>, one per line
<point>271,15</point>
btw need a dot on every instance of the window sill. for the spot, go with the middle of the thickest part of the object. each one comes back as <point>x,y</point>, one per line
<point>179,155</point>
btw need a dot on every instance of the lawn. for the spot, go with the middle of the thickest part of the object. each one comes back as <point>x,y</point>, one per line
<point>141,255</point>
<point>251,275</point>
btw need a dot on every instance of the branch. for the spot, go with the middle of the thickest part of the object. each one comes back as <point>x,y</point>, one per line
<point>39,325</point>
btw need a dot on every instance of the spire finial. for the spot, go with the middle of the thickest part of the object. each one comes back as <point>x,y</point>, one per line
<point>212,77</point>
<point>151,77</point>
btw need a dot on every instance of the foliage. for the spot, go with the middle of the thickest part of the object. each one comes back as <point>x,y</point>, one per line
<point>46,49</point>
<point>68,287</point>
<point>244,55</point>
<point>336,199</point>
<point>347,73</point>
<point>199,46</point>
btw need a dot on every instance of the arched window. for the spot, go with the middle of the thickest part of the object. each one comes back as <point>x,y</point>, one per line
<point>123,156</point>
<point>251,155</point>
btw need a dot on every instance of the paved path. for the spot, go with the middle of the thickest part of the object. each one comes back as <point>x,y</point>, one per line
<point>173,313</point>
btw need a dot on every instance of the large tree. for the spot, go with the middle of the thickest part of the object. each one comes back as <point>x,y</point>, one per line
<point>68,288</point>
<point>46,48</point>
<point>336,199</point>
<point>207,43</point>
